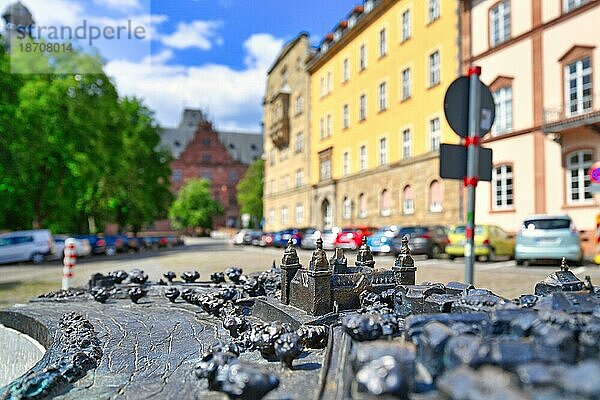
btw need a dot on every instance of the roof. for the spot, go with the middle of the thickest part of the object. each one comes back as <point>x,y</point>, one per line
<point>286,49</point>
<point>244,147</point>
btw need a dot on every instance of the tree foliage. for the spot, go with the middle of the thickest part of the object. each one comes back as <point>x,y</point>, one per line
<point>72,151</point>
<point>195,206</point>
<point>250,192</point>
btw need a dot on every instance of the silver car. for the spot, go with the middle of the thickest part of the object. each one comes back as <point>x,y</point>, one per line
<point>548,237</point>
<point>22,246</point>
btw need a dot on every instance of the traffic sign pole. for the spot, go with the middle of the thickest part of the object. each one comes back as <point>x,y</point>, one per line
<point>470,181</point>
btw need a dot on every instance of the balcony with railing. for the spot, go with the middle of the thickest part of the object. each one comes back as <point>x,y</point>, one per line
<point>584,111</point>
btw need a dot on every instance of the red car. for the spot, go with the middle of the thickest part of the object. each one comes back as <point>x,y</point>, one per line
<point>351,238</point>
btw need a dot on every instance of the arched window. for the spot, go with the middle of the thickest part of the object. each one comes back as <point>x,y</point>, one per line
<point>408,202</point>
<point>578,178</point>
<point>347,208</point>
<point>362,205</point>
<point>435,197</point>
<point>385,206</point>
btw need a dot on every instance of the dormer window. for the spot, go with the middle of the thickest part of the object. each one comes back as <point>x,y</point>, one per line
<point>324,47</point>
<point>369,5</point>
<point>177,143</point>
<point>337,35</point>
<point>352,21</point>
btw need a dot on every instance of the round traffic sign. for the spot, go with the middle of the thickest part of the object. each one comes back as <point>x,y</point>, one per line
<point>456,107</point>
<point>595,172</point>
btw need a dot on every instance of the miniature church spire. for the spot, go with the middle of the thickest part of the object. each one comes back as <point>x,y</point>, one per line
<point>290,256</point>
<point>364,257</point>
<point>319,261</point>
<point>404,258</point>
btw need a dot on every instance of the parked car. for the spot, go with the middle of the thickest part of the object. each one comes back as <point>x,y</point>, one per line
<point>381,240</point>
<point>329,236</point>
<point>83,248</point>
<point>281,238</point>
<point>351,238</point>
<point>548,237</point>
<point>22,246</point>
<point>238,238</point>
<point>98,244</point>
<point>266,239</point>
<point>490,241</point>
<point>254,237</point>
<point>309,239</point>
<point>115,244</point>
<point>151,242</point>
<point>428,240</point>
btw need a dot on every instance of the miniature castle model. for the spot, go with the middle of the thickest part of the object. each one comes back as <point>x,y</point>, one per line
<point>326,283</point>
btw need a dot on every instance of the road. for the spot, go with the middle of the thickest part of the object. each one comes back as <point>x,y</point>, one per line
<point>18,283</point>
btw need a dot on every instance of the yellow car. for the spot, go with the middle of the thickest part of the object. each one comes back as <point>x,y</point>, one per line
<point>490,241</point>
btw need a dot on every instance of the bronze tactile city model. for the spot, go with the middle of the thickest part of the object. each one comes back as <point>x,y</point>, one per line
<point>326,331</point>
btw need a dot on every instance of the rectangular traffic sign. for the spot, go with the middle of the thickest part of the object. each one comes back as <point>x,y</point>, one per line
<point>453,162</point>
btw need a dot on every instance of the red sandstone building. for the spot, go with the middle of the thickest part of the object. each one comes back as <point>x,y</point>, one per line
<point>199,151</point>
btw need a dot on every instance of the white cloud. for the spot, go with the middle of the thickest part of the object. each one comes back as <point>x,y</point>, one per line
<point>198,34</point>
<point>232,97</point>
<point>119,4</point>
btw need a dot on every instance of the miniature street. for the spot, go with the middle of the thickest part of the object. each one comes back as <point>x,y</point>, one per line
<point>19,283</point>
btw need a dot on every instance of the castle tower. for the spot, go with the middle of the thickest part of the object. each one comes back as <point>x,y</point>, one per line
<point>16,16</point>
<point>339,262</point>
<point>364,257</point>
<point>290,263</point>
<point>319,282</point>
<point>404,267</point>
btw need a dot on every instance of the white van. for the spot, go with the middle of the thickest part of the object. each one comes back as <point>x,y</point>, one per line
<point>22,246</point>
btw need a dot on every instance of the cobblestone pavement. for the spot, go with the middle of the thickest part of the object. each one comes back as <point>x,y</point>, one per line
<point>210,255</point>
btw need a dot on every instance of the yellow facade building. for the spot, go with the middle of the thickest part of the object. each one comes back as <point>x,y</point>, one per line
<point>377,85</point>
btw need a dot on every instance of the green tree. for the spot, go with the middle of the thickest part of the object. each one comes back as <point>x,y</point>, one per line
<point>195,206</point>
<point>250,192</point>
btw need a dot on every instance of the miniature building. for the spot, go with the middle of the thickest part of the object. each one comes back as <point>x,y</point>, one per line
<point>324,283</point>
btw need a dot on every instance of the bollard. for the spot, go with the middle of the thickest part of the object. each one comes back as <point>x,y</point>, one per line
<point>68,263</point>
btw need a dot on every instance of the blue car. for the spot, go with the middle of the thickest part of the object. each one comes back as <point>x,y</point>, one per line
<point>381,240</point>
<point>547,237</point>
<point>98,244</point>
<point>280,239</point>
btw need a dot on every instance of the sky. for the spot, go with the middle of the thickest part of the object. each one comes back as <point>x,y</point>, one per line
<point>209,54</point>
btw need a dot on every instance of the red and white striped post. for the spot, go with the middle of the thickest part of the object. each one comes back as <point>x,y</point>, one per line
<point>69,262</point>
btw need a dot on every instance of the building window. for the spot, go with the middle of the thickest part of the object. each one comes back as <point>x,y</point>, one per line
<point>500,23</point>
<point>362,115</point>
<point>435,197</point>
<point>362,158</point>
<point>578,179</point>
<point>363,57</point>
<point>329,127</point>
<point>206,158</point>
<point>382,42</point>
<point>406,143</point>
<point>325,169</point>
<point>284,216</point>
<point>570,5</point>
<point>408,202</point>
<point>383,153</point>
<point>434,10</point>
<point>346,208</point>
<point>362,205</point>
<point>207,175</point>
<point>578,87</point>
<point>406,84</point>
<point>233,176</point>
<point>299,145</point>
<point>272,186</point>
<point>299,214</point>
<point>206,142</point>
<point>346,116</point>
<point>503,100</point>
<point>434,134</point>
<point>322,127</point>
<point>385,208</point>
<point>382,96</point>
<point>406,25</point>
<point>434,68</point>
<point>329,82</point>
<point>346,164</point>
<point>177,175</point>
<point>502,187</point>
<point>346,72</point>
<point>272,157</point>
<point>323,87</point>
<point>271,217</point>
<point>299,177</point>
<point>299,105</point>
